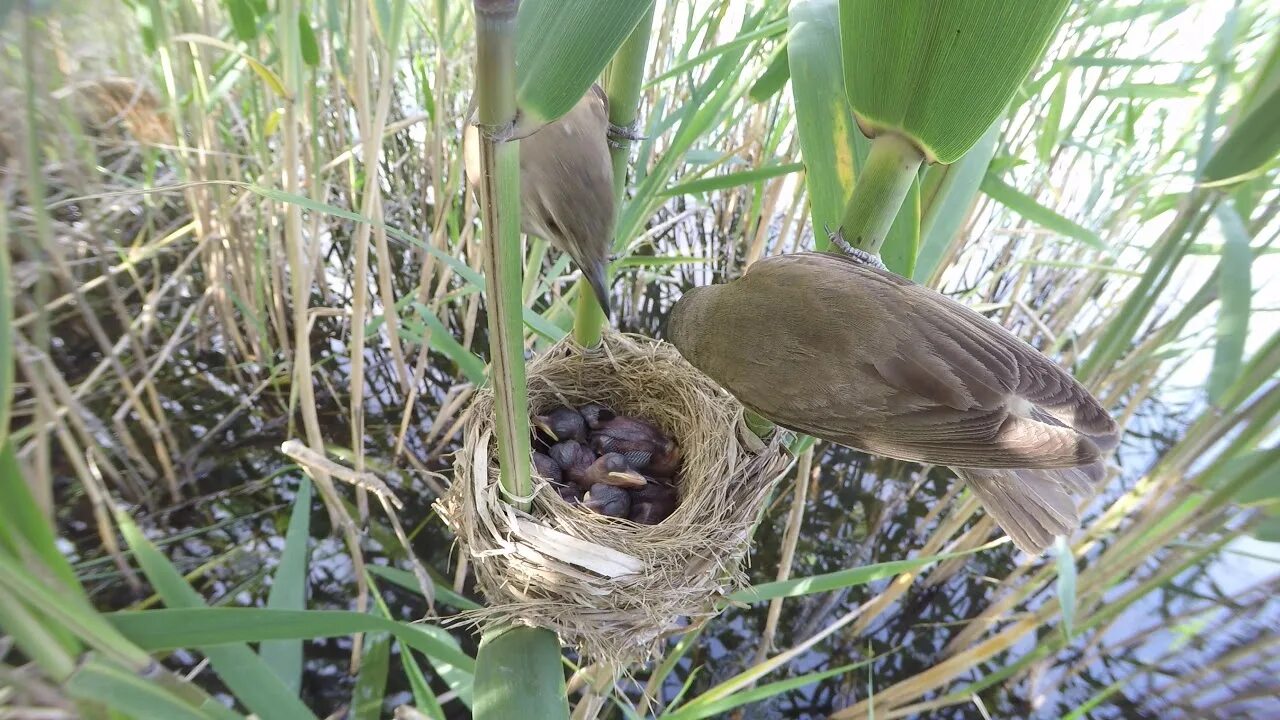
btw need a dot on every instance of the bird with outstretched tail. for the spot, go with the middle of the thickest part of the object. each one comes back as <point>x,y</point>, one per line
<point>831,346</point>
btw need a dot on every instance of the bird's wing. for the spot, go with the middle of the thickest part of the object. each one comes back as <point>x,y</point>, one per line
<point>951,383</point>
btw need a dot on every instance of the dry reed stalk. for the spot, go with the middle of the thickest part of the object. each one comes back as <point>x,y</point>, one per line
<point>790,537</point>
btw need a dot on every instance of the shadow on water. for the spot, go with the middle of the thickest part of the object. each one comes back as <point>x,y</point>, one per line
<point>238,488</point>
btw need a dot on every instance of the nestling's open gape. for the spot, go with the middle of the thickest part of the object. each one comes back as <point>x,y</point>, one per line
<point>829,346</point>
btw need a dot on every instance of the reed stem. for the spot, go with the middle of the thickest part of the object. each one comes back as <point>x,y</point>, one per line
<point>879,191</point>
<point>500,210</point>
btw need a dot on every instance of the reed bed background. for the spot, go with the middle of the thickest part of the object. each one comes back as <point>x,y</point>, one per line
<point>244,224</point>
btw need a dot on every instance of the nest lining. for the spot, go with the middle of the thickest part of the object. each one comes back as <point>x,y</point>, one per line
<point>610,587</point>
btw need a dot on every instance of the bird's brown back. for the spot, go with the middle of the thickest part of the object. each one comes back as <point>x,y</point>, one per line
<point>860,356</point>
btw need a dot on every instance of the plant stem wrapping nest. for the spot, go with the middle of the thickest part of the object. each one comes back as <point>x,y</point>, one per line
<point>613,588</point>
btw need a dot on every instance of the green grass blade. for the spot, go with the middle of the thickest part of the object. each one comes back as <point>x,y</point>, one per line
<point>824,121</point>
<point>1147,91</point>
<point>796,587</point>
<point>1066,584</point>
<point>171,629</point>
<point>129,694</point>
<point>561,47</point>
<point>371,683</point>
<point>902,245</point>
<point>946,195</point>
<point>246,674</point>
<point>470,364</point>
<point>773,29</point>
<point>1250,145</point>
<point>775,76</point>
<point>1047,141</point>
<point>424,698</point>
<point>406,580</point>
<point>6,330</point>
<point>1235,289</point>
<point>708,705</point>
<point>520,676</point>
<point>25,532</point>
<point>731,180</point>
<point>289,589</point>
<point>1027,207</point>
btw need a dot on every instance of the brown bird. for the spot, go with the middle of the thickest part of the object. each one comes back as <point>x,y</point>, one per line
<point>562,424</point>
<point>646,447</point>
<point>826,345</point>
<point>608,500</point>
<point>653,503</point>
<point>566,186</point>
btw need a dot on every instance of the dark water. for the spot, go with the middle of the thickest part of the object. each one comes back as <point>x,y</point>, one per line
<point>239,490</point>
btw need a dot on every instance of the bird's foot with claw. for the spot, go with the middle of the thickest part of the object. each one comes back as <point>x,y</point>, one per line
<point>861,256</point>
<point>497,133</point>
<point>630,133</point>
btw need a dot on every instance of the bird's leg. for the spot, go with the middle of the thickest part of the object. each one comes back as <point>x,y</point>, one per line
<point>618,133</point>
<point>861,256</point>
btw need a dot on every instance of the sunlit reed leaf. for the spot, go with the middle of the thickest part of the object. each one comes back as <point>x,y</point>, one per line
<point>371,683</point>
<point>242,19</point>
<point>100,681</point>
<point>1048,138</point>
<point>774,78</point>
<point>946,196</point>
<point>244,672</point>
<point>406,580</point>
<point>289,589</point>
<point>268,76</point>
<point>731,180</point>
<point>472,367</point>
<point>307,43</point>
<point>1065,562</point>
<point>773,29</point>
<point>518,674</point>
<point>710,706</point>
<point>824,120</point>
<point>797,587</point>
<point>940,73</point>
<point>170,629</point>
<point>561,47</point>
<point>1235,289</point>
<point>1252,143</point>
<point>25,531</point>
<point>1027,207</point>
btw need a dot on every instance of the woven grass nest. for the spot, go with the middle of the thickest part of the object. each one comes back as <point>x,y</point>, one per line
<point>613,588</point>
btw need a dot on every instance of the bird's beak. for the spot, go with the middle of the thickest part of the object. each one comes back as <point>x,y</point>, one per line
<point>542,423</point>
<point>628,479</point>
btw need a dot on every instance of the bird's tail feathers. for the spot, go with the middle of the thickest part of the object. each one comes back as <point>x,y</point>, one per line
<point>1033,506</point>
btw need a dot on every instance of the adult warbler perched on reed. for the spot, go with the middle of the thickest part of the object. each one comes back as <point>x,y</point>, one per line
<point>566,186</point>
<point>831,346</point>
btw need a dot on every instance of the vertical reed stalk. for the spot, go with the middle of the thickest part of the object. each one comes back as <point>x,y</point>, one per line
<point>879,191</point>
<point>500,209</point>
